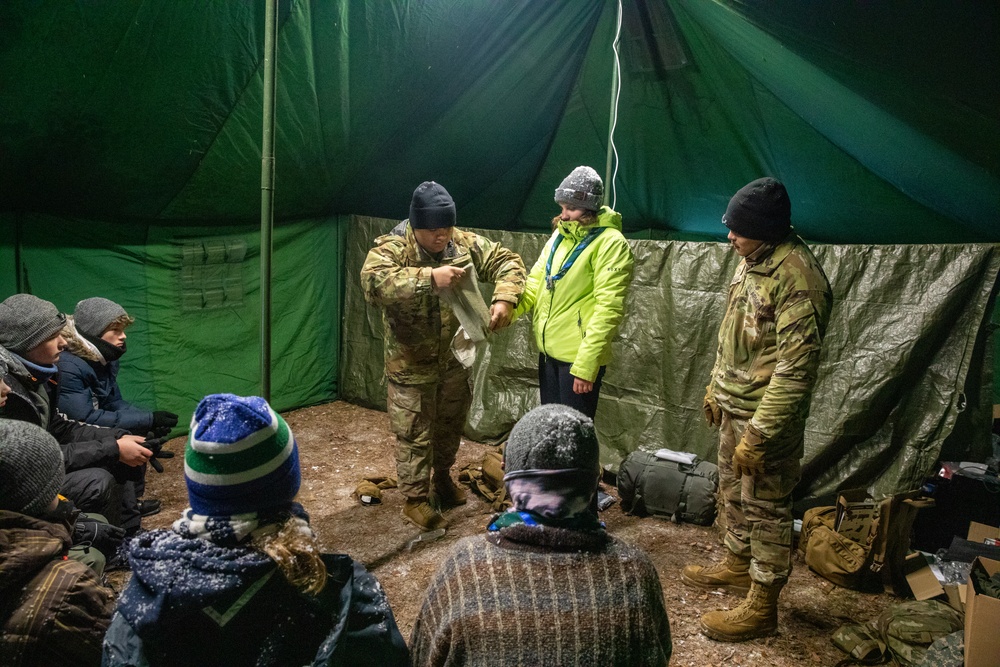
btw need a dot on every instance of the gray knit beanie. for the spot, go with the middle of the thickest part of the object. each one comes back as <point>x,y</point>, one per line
<point>583,188</point>
<point>760,210</point>
<point>92,316</point>
<point>26,321</point>
<point>552,437</point>
<point>31,467</point>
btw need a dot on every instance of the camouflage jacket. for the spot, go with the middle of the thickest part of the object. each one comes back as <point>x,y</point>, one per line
<point>418,325</point>
<point>769,342</point>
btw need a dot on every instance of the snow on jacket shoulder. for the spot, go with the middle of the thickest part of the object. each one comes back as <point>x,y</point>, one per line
<point>191,602</point>
<point>535,604</point>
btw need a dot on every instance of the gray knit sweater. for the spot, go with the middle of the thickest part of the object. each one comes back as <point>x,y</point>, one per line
<point>542,600</point>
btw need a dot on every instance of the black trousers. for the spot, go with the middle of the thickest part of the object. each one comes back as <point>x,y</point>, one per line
<point>94,490</point>
<point>97,491</point>
<point>555,385</point>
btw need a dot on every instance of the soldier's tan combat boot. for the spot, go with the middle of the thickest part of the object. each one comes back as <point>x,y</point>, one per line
<point>756,616</point>
<point>419,512</point>
<point>445,492</point>
<point>732,574</point>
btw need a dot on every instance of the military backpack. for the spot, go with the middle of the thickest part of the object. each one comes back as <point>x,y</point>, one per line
<point>648,485</point>
<point>485,478</point>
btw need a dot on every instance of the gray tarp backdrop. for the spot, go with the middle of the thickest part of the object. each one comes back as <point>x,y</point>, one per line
<point>897,379</point>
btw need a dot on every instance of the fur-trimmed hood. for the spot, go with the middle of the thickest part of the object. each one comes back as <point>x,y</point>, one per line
<point>79,345</point>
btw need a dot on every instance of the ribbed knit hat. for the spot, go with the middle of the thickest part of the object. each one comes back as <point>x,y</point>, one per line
<point>431,207</point>
<point>552,437</point>
<point>241,457</point>
<point>26,321</point>
<point>760,210</point>
<point>93,316</point>
<point>31,467</point>
<point>583,188</point>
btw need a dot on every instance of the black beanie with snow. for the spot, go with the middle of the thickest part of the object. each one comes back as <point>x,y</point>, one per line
<point>552,466</point>
<point>552,437</point>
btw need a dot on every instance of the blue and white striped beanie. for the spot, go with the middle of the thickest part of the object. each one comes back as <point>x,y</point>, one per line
<point>241,457</point>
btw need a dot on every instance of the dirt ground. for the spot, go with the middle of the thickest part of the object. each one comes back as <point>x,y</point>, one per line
<point>340,443</point>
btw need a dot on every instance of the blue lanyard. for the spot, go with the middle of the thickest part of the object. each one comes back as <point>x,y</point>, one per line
<point>550,280</point>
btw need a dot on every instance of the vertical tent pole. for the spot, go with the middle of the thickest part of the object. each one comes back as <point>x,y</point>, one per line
<point>267,194</point>
<point>613,114</point>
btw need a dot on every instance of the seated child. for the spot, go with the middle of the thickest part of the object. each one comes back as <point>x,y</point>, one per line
<point>240,579</point>
<point>88,383</point>
<point>101,463</point>
<point>94,539</point>
<point>548,585</point>
<point>53,611</point>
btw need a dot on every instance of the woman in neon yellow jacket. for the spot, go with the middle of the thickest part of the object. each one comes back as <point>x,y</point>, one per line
<point>576,293</point>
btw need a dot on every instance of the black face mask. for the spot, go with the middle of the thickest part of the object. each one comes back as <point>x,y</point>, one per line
<point>64,513</point>
<point>108,351</point>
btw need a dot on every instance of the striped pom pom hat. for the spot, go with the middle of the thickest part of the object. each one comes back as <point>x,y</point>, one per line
<point>241,457</point>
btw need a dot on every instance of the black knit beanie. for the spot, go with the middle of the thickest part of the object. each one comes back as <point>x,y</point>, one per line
<point>760,210</point>
<point>431,207</point>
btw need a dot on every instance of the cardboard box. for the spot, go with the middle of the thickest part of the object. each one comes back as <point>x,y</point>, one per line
<point>923,583</point>
<point>980,532</point>
<point>855,513</point>
<point>982,618</point>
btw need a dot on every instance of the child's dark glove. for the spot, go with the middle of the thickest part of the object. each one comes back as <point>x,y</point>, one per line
<point>155,445</point>
<point>163,419</point>
<point>102,536</point>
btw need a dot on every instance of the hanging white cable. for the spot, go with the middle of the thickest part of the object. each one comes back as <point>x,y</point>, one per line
<point>611,171</point>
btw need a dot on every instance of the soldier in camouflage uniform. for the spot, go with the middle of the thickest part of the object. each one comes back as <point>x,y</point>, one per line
<point>429,389</point>
<point>769,347</point>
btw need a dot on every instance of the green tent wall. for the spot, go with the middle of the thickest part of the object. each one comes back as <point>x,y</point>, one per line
<point>130,161</point>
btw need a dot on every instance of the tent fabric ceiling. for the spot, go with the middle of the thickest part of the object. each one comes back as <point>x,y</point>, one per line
<point>150,112</point>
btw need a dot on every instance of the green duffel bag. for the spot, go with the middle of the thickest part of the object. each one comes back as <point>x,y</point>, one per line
<point>651,486</point>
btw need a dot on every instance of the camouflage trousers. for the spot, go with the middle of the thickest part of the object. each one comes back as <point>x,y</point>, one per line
<point>758,509</point>
<point>427,420</point>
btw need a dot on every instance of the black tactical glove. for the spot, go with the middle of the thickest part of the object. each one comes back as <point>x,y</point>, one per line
<point>155,445</point>
<point>98,534</point>
<point>163,421</point>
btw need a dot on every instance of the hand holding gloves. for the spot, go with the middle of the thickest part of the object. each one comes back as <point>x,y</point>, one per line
<point>155,445</point>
